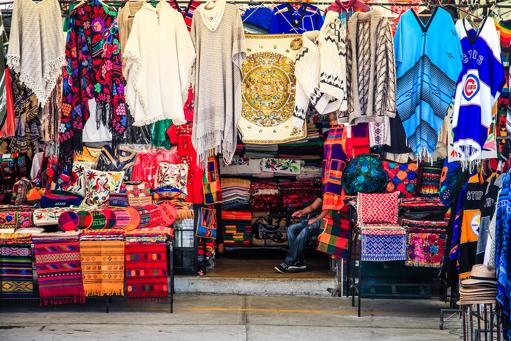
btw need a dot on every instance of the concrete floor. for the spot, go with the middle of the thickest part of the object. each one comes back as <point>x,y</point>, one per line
<point>219,317</point>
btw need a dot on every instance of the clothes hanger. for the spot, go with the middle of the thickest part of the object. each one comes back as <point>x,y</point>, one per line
<point>210,4</point>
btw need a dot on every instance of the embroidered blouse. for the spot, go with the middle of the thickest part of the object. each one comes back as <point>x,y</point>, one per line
<point>93,71</point>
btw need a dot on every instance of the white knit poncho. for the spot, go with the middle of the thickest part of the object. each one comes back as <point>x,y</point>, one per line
<point>220,49</point>
<point>36,45</point>
<point>159,57</point>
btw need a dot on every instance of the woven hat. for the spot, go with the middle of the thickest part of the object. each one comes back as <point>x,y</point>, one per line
<point>68,221</point>
<point>98,220</point>
<point>85,219</point>
<point>169,213</point>
<point>134,219</point>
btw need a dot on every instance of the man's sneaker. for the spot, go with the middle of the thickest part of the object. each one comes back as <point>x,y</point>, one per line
<point>282,268</point>
<point>298,267</point>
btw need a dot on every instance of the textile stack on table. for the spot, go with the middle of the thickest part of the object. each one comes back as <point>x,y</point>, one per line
<point>298,194</point>
<point>265,196</point>
<point>237,228</point>
<point>235,193</point>
<point>16,266</point>
<point>59,268</point>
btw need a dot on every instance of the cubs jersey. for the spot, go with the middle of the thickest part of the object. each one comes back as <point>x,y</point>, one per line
<point>478,87</point>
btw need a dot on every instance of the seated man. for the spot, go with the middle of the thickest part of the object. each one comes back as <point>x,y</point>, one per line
<point>298,235</point>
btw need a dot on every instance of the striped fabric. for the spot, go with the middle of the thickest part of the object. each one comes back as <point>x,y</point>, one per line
<point>237,227</point>
<point>15,268</point>
<point>235,193</point>
<point>187,12</point>
<point>334,161</point>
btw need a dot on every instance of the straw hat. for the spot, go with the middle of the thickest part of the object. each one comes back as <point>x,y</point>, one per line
<point>480,288</point>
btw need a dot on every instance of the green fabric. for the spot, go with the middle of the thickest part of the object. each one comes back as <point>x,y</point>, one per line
<point>159,136</point>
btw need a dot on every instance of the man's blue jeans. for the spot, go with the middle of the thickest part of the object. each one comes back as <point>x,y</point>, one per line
<point>298,235</point>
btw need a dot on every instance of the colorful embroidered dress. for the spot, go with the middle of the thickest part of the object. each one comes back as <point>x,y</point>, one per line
<point>428,62</point>
<point>93,71</point>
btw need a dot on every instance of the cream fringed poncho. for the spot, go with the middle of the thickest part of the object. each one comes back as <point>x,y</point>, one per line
<point>219,43</point>
<point>36,45</point>
<point>159,57</point>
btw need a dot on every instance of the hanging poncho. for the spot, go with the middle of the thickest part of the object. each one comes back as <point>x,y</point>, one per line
<point>159,57</point>
<point>478,88</point>
<point>93,72</point>
<point>428,62</point>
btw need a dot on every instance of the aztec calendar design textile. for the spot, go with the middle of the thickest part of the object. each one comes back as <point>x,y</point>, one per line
<point>269,84</point>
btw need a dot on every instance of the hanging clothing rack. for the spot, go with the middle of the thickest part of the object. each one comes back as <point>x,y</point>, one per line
<point>320,3</point>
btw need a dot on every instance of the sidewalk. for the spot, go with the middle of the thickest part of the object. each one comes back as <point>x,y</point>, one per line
<point>219,317</point>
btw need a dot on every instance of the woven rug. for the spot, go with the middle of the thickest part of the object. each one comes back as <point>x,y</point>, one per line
<point>16,277</point>
<point>383,247</point>
<point>146,270</point>
<point>59,271</point>
<point>103,267</point>
<point>334,238</point>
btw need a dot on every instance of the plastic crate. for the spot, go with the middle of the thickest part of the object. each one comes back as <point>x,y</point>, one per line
<point>185,261</point>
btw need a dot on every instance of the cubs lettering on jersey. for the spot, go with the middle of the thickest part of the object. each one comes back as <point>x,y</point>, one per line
<point>471,87</point>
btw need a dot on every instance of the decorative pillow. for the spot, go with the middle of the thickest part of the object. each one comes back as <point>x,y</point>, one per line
<point>364,174</point>
<point>378,208</point>
<point>24,219</point>
<point>8,220</point>
<point>402,177</point>
<point>98,186</point>
<point>60,199</point>
<point>118,199</point>
<point>430,179</point>
<point>68,221</point>
<point>48,216</point>
<point>172,175</point>
<point>138,194</point>
<point>76,182</point>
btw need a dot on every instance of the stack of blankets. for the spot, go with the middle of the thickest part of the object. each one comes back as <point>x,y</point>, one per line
<point>310,148</point>
<point>258,151</point>
<point>237,228</point>
<point>265,196</point>
<point>298,194</point>
<point>235,193</point>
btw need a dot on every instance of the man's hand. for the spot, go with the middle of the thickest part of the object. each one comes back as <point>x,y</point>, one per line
<point>299,213</point>
<point>312,221</point>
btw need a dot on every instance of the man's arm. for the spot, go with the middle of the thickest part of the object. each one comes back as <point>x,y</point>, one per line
<point>309,209</point>
<point>319,217</point>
